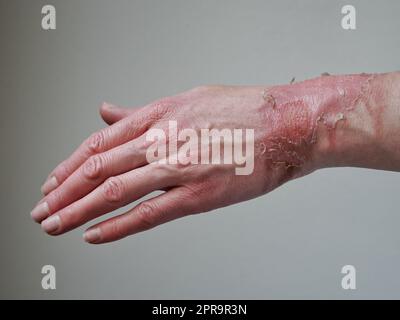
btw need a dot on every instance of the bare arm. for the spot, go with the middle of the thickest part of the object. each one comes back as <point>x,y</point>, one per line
<point>350,120</point>
<point>369,136</point>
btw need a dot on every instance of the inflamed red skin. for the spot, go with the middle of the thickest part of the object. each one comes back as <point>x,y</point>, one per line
<point>303,113</point>
<point>299,127</point>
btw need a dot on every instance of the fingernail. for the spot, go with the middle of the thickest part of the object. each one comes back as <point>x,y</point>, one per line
<point>49,185</point>
<point>51,224</point>
<point>40,212</point>
<point>92,235</point>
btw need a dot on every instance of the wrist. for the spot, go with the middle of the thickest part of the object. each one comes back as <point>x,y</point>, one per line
<point>322,122</point>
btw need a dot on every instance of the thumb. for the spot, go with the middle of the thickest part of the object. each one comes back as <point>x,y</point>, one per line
<point>111,113</point>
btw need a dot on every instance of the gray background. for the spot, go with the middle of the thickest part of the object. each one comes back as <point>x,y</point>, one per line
<point>291,243</point>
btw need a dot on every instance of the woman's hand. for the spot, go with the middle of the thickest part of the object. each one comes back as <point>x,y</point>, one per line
<point>295,128</point>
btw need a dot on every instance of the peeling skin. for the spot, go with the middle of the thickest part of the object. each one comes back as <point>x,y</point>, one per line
<point>269,99</point>
<point>263,148</point>
<point>331,120</point>
<point>302,110</point>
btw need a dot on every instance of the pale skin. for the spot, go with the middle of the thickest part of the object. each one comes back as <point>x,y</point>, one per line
<point>350,120</point>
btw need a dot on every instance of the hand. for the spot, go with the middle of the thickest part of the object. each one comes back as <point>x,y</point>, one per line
<point>109,170</point>
<point>295,129</point>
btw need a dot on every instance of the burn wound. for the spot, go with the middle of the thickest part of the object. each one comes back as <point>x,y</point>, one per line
<point>295,113</point>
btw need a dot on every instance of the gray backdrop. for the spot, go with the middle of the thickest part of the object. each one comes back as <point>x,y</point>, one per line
<point>291,243</point>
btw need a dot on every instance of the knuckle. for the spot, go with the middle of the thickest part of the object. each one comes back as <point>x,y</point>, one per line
<point>162,107</point>
<point>61,172</point>
<point>56,200</point>
<point>159,109</point>
<point>146,214</point>
<point>117,229</point>
<point>70,217</point>
<point>95,143</point>
<point>93,167</point>
<point>113,190</point>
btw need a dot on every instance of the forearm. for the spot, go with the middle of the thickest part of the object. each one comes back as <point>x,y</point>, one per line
<point>351,120</point>
<point>369,135</point>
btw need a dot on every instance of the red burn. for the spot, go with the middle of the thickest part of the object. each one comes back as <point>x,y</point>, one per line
<point>299,110</point>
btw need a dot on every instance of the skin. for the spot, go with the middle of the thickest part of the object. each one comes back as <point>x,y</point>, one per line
<point>329,121</point>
